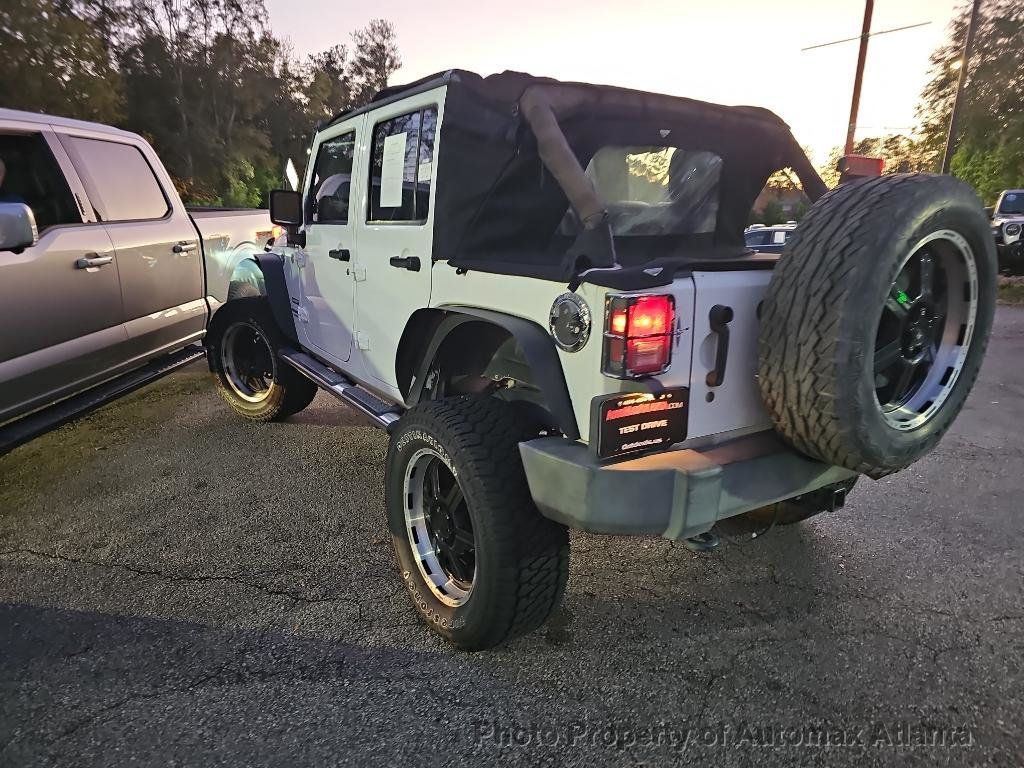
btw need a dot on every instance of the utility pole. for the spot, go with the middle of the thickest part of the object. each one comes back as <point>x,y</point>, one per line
<point>851,165</point>
<point>865,34</point>
<point>951,137</point>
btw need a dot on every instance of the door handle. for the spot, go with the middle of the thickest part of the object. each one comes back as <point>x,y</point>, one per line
<point>412,263</point>
<point>342,254</point>
<point>719,318</point>
<point>183,247</point>
<point>92,260</point>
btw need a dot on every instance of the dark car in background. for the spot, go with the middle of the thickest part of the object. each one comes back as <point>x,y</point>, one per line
<point>768,239</point>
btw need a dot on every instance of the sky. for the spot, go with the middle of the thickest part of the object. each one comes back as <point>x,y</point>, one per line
<point>726,51</point>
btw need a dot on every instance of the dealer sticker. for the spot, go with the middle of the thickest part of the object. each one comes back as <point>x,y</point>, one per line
<point>641,421</point>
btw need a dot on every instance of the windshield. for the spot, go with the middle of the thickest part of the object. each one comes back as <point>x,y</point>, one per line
<point>1012,203</point>
<point>655,190</point>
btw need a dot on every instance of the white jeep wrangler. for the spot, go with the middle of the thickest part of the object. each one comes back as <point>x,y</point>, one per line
<point>541,291</point>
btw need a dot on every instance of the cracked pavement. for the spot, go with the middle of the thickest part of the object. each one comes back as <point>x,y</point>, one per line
<point>180,588</point>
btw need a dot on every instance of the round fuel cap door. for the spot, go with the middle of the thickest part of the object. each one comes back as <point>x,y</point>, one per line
<point>570,322</point>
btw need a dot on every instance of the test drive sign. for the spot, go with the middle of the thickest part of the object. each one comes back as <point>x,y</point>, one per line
<point>641,422</point>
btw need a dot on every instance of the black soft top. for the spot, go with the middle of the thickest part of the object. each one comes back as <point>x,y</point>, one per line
<point>512,152</point>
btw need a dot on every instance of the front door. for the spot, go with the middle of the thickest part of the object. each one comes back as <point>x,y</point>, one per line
<point>393,255</point>
<point>61,320</point>
<point>326,264</point>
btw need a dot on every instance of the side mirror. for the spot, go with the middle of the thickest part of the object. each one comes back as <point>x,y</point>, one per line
<point>990,211</point>
<point>17,227</point>
<point>286,207</point>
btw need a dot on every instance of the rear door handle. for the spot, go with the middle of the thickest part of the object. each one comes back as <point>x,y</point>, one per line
<point>92,260</point>
<point>341,254</point>
<point>183,247</point>
<point>412,263</point>
<point>719,318</point>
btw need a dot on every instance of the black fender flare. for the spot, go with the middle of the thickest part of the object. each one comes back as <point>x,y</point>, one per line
<point>272,267</point>
<point>537,346</point>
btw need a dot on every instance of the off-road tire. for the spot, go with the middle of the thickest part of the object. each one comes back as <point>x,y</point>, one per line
<point>821,313</point>
<point>290,391</point>
<point>522,558</point>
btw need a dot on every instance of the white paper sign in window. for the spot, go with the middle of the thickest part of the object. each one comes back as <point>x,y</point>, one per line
<point>392,171</point>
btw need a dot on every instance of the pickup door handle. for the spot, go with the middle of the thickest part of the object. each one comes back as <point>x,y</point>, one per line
<point>412,263</point>
<point>183,247</point>
<point>719,318</point>
<point>92,260</point>
<point>341,254</point>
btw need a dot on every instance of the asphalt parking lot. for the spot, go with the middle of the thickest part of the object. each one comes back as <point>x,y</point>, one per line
<point>180,588</point>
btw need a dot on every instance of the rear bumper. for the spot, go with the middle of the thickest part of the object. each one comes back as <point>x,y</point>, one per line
<point>676,494</point>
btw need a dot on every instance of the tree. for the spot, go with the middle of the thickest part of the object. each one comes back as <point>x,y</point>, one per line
<point>991,121</point>
<point>52,61</point>
<point>376,58</point>
<point>223,103</point>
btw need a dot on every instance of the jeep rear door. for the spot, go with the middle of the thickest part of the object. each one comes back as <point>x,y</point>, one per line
<point>392,257</point>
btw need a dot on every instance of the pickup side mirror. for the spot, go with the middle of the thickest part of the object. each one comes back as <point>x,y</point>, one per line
<point>286,207</point>
<point>17,227</point>
<point>990,211</point>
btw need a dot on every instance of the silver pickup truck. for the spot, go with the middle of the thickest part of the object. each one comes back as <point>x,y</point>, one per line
<point>106,279</point>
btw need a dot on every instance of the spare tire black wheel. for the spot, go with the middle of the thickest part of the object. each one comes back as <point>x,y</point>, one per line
<point>876,320</point>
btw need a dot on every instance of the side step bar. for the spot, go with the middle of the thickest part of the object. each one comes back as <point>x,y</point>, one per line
<point>380,412</point>
<point>63,411</point>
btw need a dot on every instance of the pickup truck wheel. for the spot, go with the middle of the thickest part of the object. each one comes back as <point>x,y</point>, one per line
<point>482,565</point>
<point>249,375</point>
<point>876,319</point>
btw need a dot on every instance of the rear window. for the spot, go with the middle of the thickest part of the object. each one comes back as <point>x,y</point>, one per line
<point>121,179</point>
<point>655,190</point>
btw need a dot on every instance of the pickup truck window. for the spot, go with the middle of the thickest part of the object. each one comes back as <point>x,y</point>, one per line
<point>29,174</point>
<point>332,179</point>
<point>122,180</point>
<point>402,167</point>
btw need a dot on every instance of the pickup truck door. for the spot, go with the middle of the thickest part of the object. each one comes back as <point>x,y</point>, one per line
<point>159,256</point>
<point>325,265</point>
<point>394,240</point>
<point>60,300</point>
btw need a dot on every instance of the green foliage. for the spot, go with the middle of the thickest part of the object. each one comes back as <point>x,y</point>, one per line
<point>224,103</point>
<point>55,62</point>
<point>990,124</point>
<point>772,214</point>
<point>989,170</point>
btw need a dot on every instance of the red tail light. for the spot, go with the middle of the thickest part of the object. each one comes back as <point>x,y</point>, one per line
<point>637,335</point>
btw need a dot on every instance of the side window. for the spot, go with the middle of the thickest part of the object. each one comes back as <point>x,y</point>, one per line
<point>401,168</point>
<point>779,236</point>
<point>122,180</point>
<point>29,174</point>
<point>332,179</point>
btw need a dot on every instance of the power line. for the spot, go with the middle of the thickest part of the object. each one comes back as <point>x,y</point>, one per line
<point>873,34</point>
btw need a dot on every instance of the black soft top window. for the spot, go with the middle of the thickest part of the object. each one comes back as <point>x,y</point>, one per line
<point>654,191</point>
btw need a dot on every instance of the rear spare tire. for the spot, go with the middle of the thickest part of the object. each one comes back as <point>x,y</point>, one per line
<point>876,320</point>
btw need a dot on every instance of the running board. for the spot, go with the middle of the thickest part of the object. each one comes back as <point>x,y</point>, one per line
<point>63,411</point>
<point>382,413</point>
